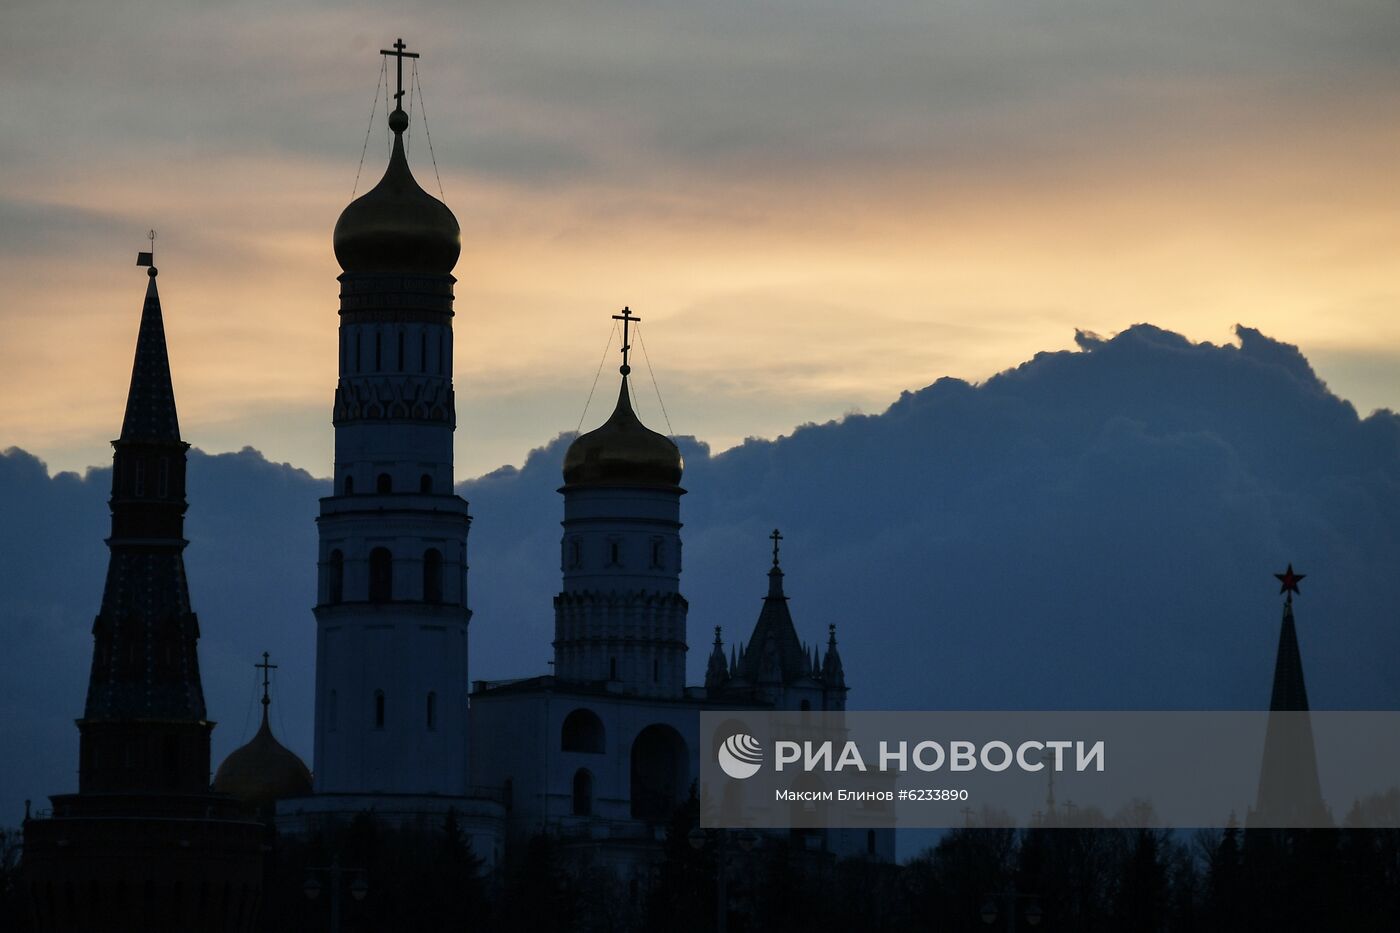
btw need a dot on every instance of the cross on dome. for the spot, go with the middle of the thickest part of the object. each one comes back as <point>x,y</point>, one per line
<point>626,317</point>
<point>398,52</point>
<point>265,667</point>
<point>776,537</point>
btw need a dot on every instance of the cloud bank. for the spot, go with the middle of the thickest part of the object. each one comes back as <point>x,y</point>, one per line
<point>1094,528</point>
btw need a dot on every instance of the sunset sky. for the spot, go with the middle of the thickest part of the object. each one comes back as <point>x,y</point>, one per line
<point>813,205</point>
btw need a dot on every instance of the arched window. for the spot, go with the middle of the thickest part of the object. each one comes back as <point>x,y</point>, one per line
<point>583,732</point>
<point>432,576</point>
<point>333,712</point>
<point>612,668</point>
<point>378,351</point>
<point>659,772</point>
<point>381,575</point>
<point>400,351</point>
<point>432,711</point>
<point>657,548</point>
<point>614,553</point>
<point>423,351</point>
<point>349,485</point>
<point>384,483</point>
<point>140,478</point>
<point>583,792</point>
<point>425,483</point>
<point>655,671</point>
<point>379,709</point>
<point>335,578</point>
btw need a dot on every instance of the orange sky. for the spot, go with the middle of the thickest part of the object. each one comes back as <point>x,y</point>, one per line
<point>811,208</point>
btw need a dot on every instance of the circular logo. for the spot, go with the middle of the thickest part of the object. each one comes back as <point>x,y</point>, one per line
<point>740,756</point>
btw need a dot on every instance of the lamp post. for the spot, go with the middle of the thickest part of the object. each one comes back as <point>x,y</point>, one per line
<point>1031,911</point>
<point>358,888</point>
<point>747,840</point>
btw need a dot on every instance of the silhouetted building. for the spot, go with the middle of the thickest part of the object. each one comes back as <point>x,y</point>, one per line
<point>144,844</point>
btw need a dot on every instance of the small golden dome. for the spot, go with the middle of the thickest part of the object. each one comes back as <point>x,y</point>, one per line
<point>263,771</point>
<point>623,452</point>
<point>397,226</point>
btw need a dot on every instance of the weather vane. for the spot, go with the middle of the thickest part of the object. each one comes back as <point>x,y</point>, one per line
<point>148,259</point>
<point>626,317</point>
<point>398,52</point>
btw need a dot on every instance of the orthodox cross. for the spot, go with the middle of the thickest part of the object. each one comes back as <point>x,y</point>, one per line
<point>399,53</point>
<point>626,317</point>
<point>265,668</point>
<point>1288,581</point>
<point>775,537</point>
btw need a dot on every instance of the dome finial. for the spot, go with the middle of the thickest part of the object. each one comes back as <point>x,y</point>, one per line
<point>776,537</point>
<point>626,317</point>
<point>398,120</point>
<point>265,667</point>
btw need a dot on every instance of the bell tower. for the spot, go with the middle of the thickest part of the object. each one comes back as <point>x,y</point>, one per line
<point>391,611</point>
<point>620,619</point>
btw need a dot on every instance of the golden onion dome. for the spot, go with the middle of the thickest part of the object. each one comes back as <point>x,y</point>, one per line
<point>397,226</point>
<point>263,771</point>
<point>623,452</point>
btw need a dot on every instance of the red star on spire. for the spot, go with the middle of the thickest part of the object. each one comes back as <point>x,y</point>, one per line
<point>1289,581</point>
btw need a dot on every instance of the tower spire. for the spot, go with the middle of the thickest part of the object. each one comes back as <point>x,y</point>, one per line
<point>150,399</point>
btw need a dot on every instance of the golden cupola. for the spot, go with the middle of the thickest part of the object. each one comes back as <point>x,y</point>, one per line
<point>397,226</point>
<point>264,770</point>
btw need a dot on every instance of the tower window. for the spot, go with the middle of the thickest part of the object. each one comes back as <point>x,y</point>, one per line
<point>384,484</point>
<point>359,361</point>
<point>657,551</point>
<point>614,553</point>
<point>432,576</point>
<point>612,668</point>
<point>423,351</point>
<point>140,489</point>
<point>425,483</point>
<point>378,351</point>
<point>335,577</point>
<point>349,485</point>
<point>163,484</point>
<point>379,709</point>
<point>440,343</point>
<point>655,671</point>
<point>575,553</point>
<point>381,575</point>
<point>400,351</point>
<point>332,713</point>
<point>432,711</point>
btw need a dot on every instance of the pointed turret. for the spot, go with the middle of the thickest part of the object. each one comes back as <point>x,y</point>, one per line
<point>144,687</point>
<point>779,656</point>
<point>832,672</point>
<point>1290,793</point>
<point>717,673</point>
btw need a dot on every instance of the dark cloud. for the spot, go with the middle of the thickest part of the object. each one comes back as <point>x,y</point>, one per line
<point>1094,528</point>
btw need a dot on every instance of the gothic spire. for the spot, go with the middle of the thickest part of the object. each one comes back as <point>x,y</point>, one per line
<point>150,399</point>
<point>1289,693</point>
<point>717,672</point>
<point>833,673</point>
